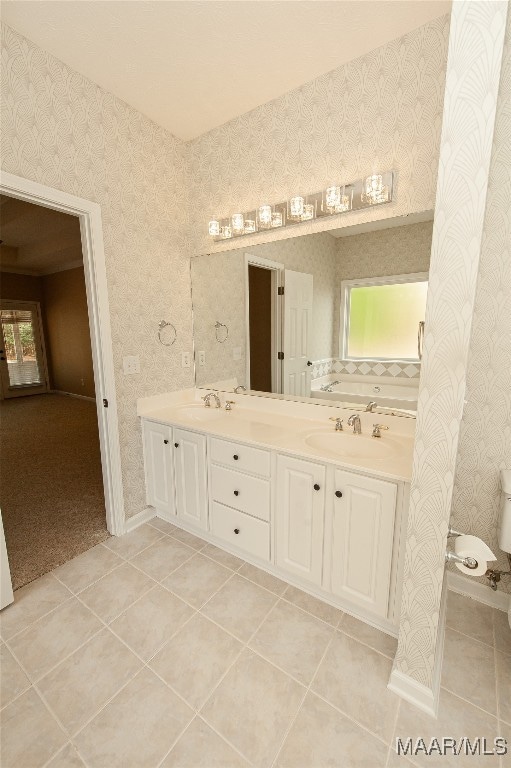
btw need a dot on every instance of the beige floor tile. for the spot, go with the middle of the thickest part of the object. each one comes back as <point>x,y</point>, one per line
<point>222,557</point>
<point>505,733</point>
<point>502,631</point>
<point>162,558</point>
<point>321,736</point>
<point>67,758</point>
<point>398,761</point>
<point>151,621</point>
<point>30,736</point>
<point>137,728</point>
<point>470,617</point>
<point>200,747</point>
<point>195,659</point>
<point>162,525</point>
<point>363,632</point>
<point>293,640</point>
<point>13,680</point>
<point>30,603</point>
<point>195,542</point>
<point>52,638</point>
<point>132,543</point>
<point>456,718</point>
<point>253,707</point>
<point>354,678</point>
<point>311,604</point>
<point>78,687</point>
<point>116,591</point>
<point>469,670</point>
<point>503,662</point>
<point>197,579</point>
<point>239,606</point>
<point>83,570</point>
<point>263,579</point>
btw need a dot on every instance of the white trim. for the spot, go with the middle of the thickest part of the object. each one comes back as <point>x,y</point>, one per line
<point>463,585</point>
<point>25,390</point>
<point>417,694</point>
<point>70,394</point>
<point>139,519</point>
<point>91,228</point>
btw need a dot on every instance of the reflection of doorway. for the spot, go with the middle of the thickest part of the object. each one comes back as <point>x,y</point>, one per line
<point>23,369</point>
<point>263,324</point>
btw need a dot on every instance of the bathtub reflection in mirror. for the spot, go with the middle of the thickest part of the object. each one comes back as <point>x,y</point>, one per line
<point>335,316</point>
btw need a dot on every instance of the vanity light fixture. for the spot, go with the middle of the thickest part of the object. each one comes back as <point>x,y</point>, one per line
<point>375,189</point>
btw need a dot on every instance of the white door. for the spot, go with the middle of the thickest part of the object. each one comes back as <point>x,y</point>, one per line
<point>22,357</point>
<point>6,595</point>
<point>190,474</point>
<point>297,365</point>
<point>158,468</point>
<point>362,540</point>
<point>299,517</point>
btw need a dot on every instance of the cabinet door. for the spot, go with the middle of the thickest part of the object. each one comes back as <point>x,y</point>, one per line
<point>158,467</point>
<point>362,540</point>
<point>190,477</point>
<point>299,517</point>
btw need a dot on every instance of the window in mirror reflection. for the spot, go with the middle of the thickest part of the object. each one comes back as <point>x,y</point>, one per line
<point>381,317</point>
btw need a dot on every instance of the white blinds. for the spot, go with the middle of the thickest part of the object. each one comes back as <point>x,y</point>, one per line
<point>20,347</point>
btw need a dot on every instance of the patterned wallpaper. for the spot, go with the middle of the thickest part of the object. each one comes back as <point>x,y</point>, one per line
<point>60,129</point>
<point>485,436</point>
<point>471,92</point>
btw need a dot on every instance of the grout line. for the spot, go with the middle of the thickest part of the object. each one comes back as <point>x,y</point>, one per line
<point>471,637</point>
<point>366,645</point>
<point>468,701</point>
<point>390,749</point>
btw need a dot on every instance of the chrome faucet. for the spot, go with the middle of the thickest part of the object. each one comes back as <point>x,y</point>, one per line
<point>328,387</point>
<point>377,430</point>
<point>229,404</point>
<point>371,405</point>
<point>239,388</point>
<point>354,421</point>
<point>338,423</point>
<point>208,397</point>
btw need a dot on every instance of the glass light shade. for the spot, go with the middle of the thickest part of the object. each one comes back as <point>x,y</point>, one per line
<point>308,212</point>
<point>344,204</point>
<point>214,227</point>
<point>296,206</point>
<point>238,223</point>
<point>374,190</point>
<point>276,219</point>
<point>250,226</point>
<point>333,197</point>
<point>264,214</point>
<point>226,232</point>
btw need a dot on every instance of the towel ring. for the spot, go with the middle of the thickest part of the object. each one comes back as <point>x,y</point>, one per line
<point>217,328</point>
<point>161,327</point>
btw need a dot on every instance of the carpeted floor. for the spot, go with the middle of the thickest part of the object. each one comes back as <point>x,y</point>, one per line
<point>51,491</point>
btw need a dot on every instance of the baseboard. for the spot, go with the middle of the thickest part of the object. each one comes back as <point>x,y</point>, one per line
<point>419,695</point>
<point>71,394</point>
<point>477,591</point>
<point>139,519</point>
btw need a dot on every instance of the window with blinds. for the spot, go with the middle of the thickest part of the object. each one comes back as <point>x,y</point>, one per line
<point>20,347</point>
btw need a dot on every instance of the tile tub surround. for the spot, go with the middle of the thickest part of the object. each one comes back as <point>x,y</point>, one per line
<point>167,684</point>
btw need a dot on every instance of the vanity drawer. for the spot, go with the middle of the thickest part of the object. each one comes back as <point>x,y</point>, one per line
<point>246,493</point>
<point>240,530</point>
<point>240,457</point>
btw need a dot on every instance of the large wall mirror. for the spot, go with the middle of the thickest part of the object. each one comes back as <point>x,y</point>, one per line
<point>334,316</point>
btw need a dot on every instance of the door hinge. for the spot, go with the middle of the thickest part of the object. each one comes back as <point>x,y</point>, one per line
<point>105,403</point>
<point>280,355</point>
<point>280,290</point>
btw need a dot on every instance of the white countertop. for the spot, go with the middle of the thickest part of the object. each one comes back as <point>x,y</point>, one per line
<point>299,429</point>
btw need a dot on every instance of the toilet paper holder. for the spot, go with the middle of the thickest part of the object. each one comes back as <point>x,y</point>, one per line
<point>452,557</point>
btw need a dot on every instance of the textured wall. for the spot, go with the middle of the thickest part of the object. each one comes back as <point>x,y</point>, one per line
<point>485,437</point>
<point>60,129</point>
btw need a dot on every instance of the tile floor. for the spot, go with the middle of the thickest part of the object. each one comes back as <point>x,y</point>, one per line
<point>157,649</point>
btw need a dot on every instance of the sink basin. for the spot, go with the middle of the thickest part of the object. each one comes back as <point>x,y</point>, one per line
<point>345,444</point>
<point>198,412</point>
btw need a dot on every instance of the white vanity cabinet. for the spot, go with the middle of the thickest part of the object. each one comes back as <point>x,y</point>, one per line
<point>361,540</point>
<point>299,519</point>
<point>159,470</point>
<point>190,477</point>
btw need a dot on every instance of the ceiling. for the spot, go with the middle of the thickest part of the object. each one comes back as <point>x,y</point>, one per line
<point>192,65</point>
<point>37,240</point>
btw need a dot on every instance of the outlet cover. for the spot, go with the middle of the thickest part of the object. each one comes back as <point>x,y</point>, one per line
<point>202,358</point>
<point>131,364</point>
<point>185,359</point>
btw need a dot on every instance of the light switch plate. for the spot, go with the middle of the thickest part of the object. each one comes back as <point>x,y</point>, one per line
<point>185,359</point>
<point>131,364</point>
<point>201,358</point>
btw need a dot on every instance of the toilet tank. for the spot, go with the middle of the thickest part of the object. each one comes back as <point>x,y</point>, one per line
<point>505,511</point>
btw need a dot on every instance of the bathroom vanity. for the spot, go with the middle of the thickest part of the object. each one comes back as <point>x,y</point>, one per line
<point>275,483</point>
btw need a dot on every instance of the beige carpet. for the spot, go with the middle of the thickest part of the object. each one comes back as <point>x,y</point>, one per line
<point>51,491</point>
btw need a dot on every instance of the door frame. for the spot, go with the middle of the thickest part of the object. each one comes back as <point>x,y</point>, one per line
<point>40,334</point>
<point>91,229</point>
<point>277,271</point>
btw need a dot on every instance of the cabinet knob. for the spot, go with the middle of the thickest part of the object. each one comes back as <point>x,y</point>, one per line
<point>235,457</point>
<point>316,487</point>
<point>166,442</point>
<point>176,445</point>
<point>338,494</point>
<point>236,530</point>
<point>236,493</point>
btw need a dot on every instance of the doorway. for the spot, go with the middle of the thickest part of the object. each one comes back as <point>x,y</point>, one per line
<point>43,407</point>
<point>263,291</point>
